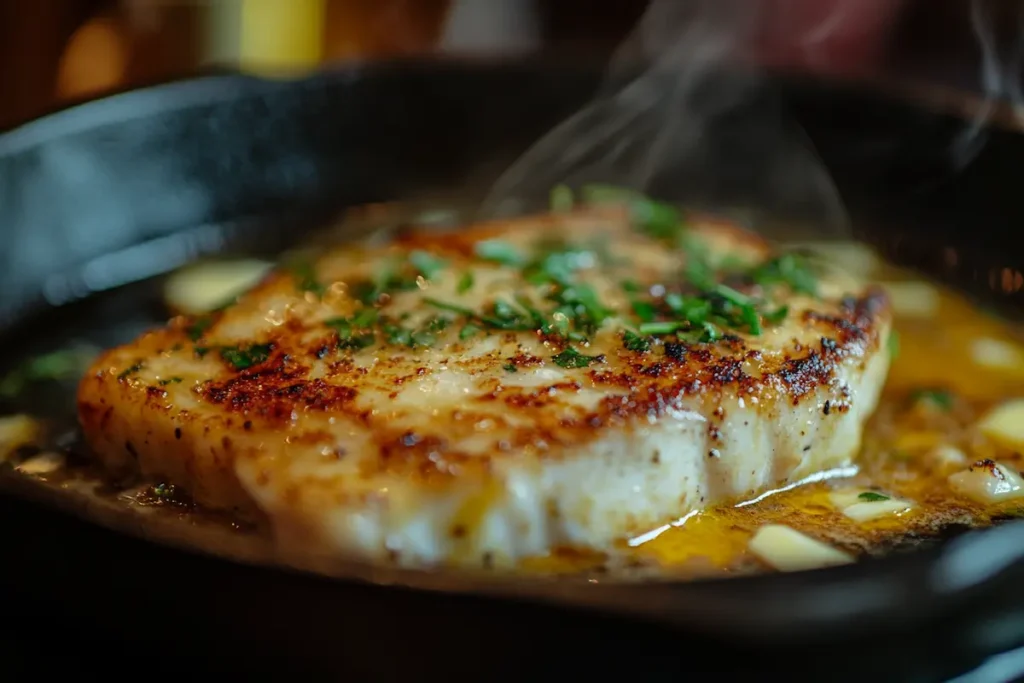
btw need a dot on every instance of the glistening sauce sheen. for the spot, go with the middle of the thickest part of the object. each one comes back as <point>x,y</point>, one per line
<point>954,365</point>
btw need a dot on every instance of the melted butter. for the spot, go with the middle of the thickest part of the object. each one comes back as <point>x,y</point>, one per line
<point>899,458</point>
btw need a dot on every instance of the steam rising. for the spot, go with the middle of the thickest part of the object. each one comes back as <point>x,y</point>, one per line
<point>685,117</point>
<point>682,116</point>
<point>1001,69</point>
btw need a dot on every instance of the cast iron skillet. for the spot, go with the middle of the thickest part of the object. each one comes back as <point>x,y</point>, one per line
<point>123,188</point>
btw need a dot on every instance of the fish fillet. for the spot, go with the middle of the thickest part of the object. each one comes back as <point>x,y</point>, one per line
<point>479,396</point>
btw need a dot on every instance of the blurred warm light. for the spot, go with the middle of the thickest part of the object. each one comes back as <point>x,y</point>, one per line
<point>279,35</point>
<point>95,59</point>
<point>378,28</point>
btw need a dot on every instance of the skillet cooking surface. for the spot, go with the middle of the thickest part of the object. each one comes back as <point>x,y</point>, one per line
<point>195,165</point>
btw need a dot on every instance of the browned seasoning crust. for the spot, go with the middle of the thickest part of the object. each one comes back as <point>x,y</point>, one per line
<point>303,392</point>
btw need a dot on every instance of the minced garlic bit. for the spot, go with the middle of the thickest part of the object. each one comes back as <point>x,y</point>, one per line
<point>862,505</point>
<point>789,550</point>
<point>876,509</point>
<point>1004,425</point>
<point>17,431</point>
<point>44,463</point>
<point>203,287</point>
<point>912,298</point>
<point>946,455</point>
<point>995,353</point>
<point>987,481</point>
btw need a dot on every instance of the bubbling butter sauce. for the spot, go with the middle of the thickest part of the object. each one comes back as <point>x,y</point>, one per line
<point>942,453</point>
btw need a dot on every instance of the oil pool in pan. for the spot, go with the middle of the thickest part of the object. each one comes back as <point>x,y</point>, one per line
<point>943,449</point>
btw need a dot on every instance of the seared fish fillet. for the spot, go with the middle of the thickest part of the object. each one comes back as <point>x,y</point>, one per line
<point>480,396</point>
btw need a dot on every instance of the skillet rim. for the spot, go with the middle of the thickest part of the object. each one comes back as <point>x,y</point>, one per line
<point>797,601</point>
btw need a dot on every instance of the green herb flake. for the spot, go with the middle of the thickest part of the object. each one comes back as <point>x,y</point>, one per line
<point>656,219</point>
<point>510,367</point>
<point>163,491</point>
<point>468,331</point>
<point>245,357</point>
<point>465,282</point>
<point>199,327</point>
<point>694,310</point>
<point>357,342</point>
<point>706,333</point>
<point>665,327</point>
<point>365,318</point>
<point>777,316</point>
<point>791,269</point>
<point>423,338</point>
<point>634,342</point>
<point>129,371</point>
<point>937,397</point>
<point>170,380</point>
<point>871,497</point>
<point>644,310</point>
<point>398,335</point>
<point>428,265</point>
<point>201,351</point>
<point>454,308</point>
<point>571,358</point>
<point>499,252</point>
<point>893,344</point>
<point>306,278</point>
<point>562,199</point>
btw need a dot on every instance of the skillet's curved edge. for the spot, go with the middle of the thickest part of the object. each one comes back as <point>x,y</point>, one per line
<point>825,603</point>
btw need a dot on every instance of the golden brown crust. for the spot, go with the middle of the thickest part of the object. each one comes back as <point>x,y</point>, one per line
<point>302,390</point>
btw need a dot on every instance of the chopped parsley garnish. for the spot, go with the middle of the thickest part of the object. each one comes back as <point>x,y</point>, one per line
<point>503,316</point>
<point>393,276</point>
<point>556,262</point>
<point>666,327</point>
<point>697,308</point>
<point>510,367</point>
<point>871,497</point>
<point>644,310</point>
<point>427,264</point>
<point>163,491</point>
<point>790,269</point>
<point>634,342</point>
<point>588,313</point>
<point>199,327</point>
<point>694,310</point>
<point>499,252</point>
<point>357,341</point>
<point>170,380</point>
<point>777,316</point>
<point>571,358</point>
<point>245,357</point>
<point>938,397</point>
<point>127,372</point>
<point>454,308</point>
<point>403,336</point>
<point>365,318</point>
<point>355,332</point>
<point>657,219</point>
<point>306,279</point>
